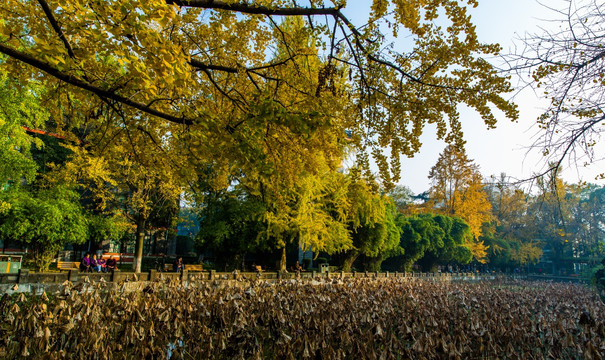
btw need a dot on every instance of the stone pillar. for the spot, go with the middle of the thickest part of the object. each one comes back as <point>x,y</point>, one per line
<point>153,275</point>
<point>22,277</point>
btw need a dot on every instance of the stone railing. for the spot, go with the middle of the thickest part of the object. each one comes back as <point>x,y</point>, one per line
<point>26,281</point>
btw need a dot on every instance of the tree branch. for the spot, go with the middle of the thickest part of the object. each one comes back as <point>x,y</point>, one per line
<point>254,9</point>
<point>56,27</point>
<point>203,66</point>
<point>75,81</point>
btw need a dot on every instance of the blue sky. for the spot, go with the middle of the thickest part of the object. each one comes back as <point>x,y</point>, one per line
<point>504,149</point>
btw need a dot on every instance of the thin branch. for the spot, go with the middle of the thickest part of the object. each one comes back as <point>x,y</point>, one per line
<point>223,92</point>
<point>203,66</point>
<point>570,145</point>
<point>200,65</point>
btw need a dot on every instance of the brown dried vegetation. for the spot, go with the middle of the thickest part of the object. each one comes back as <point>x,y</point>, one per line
<point>340,319</point>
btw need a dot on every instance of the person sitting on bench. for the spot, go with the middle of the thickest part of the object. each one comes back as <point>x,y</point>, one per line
<point>111,264</point>
<point>85,263</point>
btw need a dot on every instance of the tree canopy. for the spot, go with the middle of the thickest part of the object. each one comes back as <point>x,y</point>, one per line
<point>205,70</point>
<point>457,189</point>
<point>45,221</point>
<point>166,97</point>
<point>19,111</point>
<point>429,238</point>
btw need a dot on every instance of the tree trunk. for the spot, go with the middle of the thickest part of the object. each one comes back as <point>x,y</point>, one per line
<point>374,263</point>
<point>140,236</point>
<point>349,260</point>
<point>282,261</point>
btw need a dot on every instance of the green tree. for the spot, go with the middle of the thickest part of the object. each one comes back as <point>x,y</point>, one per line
<point>512,236</point>
<point>551,212</point>
<point>428,239</point>
<point>119,172</point>
<point>231,222</point>
<point>43,221</point>
<point>370,223</point>
<point>590,219</point>
<point>106,227</point>
<point>389,245</point>
<point>19,110</point>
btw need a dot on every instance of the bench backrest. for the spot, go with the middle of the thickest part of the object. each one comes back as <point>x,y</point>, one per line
<point>68,265</point>
<point>194,267</point>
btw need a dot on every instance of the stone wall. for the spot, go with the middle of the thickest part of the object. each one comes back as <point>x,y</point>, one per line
<point>32,282</point>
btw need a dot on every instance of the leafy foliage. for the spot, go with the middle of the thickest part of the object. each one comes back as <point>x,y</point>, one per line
<point>429,238</point>
<point>19,110</point>
<point>457,190</point>
<point>209,72</point>
<point>231,223</point>
<point>44,221</point>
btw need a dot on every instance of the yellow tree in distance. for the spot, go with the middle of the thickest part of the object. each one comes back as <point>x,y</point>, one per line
<point>457,190</point>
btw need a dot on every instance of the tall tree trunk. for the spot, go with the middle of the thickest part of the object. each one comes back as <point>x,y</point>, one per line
<point>282,261</point>
<point>349,260</point>
<point>138,256</point>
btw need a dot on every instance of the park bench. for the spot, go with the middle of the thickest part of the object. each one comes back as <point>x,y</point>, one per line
<point>68,265</point>
<point>168,267</point>
<point>194,267</point>
<point>116,256</point>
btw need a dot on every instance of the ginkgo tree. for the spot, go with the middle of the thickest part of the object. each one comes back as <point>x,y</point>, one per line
<point>131,173</point>
<point>457,190</point>
<point>259,89</point>
<point>202,65</point>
